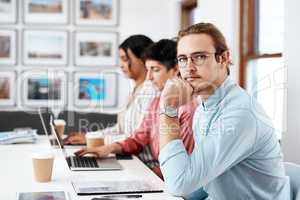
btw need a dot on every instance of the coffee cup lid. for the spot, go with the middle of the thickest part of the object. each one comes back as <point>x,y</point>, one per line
<point>94,135</point>
<point>59,122</point>
<point>42,154</point>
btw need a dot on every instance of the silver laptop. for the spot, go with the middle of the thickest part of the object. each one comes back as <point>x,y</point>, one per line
<point>52,140</point>
<point>85,163</point>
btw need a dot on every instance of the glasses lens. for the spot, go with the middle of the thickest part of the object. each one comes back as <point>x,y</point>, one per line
<point>199,59</point>
<point>182,61</point>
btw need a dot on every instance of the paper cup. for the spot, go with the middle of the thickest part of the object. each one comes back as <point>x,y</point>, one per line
<point>94,140</point>
<point>60,126</point>
<point>42,165</point>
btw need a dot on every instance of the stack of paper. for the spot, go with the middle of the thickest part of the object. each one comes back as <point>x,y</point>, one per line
<point>18,136</point>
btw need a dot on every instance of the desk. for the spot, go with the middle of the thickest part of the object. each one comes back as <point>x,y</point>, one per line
<point>16,173</point>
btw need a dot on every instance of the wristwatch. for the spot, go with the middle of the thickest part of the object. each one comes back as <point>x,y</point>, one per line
<point>169,111</point>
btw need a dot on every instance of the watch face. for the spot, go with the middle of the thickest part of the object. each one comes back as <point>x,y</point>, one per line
<point>169,111</point>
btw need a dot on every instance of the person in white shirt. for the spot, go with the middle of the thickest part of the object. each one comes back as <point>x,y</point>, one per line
<point>133,67</point>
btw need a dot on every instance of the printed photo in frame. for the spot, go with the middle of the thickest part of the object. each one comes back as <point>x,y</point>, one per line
<point>44,88</point>
<point>95,48</point>
<point>96,12</point>
<point>46,12</point>
<point>8,47</point>
<point>45,47</point>
<point>95,89</point>
<point>7,88</point>
<point>8,11</point>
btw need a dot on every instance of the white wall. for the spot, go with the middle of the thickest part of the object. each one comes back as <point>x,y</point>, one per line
<point>225,15</point>
<point>155,18</point>
<point>291,140</point>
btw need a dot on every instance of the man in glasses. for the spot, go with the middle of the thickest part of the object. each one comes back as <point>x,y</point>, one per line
<point>236,154</point>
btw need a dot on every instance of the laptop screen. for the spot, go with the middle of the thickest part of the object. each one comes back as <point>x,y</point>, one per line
<point>57,137</point>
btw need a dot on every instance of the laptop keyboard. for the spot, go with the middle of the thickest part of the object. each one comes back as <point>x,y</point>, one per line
<point>82,162</point>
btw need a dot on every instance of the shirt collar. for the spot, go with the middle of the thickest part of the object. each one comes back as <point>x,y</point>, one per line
<point>219,94</point>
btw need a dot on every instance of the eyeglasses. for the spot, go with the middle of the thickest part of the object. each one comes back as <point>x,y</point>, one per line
<point>197,58</point>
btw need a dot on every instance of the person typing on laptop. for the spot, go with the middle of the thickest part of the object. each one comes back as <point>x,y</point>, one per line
<point>160,59</point>
<point>133,67</point>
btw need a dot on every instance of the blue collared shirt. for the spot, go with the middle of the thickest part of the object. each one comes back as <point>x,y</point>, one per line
<point>236,156</point>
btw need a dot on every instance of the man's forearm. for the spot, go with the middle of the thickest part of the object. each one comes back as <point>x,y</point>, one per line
<point>169,129</point>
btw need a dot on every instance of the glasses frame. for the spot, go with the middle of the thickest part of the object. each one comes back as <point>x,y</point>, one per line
<point>193,60</point>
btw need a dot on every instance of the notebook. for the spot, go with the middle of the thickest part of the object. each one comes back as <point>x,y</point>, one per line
<point>114,187</point>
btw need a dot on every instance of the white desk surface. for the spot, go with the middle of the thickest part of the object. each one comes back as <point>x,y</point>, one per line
<point>16,174</point>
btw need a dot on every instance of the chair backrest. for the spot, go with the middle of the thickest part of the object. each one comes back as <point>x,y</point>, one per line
<point>293,171</point>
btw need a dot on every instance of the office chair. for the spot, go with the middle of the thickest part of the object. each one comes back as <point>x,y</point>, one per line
<point>293,171</point>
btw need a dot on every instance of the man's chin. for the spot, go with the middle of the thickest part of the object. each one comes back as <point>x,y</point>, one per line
<point>201,88</point>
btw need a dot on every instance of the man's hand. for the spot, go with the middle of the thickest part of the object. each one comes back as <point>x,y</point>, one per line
<point>101,152</point>
<point>75,138</point>
<point>176,93</point>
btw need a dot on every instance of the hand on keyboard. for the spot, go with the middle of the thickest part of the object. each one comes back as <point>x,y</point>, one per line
<point>102,151</point>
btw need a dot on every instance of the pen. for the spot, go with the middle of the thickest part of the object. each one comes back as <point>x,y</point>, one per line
<point>123,196</point>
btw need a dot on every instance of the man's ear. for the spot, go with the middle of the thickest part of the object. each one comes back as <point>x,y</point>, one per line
<point>225,57</point>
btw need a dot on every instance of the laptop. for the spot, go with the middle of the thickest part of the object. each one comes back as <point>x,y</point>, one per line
<point>115,187</point>
<point>85,163</point>
<point>52,141</point>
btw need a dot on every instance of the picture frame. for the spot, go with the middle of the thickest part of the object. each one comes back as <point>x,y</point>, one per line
<point>46,12</point>
<point>45,47</point>
<point>96,12</point>
<point>44,88</point>
<point>95,89</point>
<point>95,48</point>
<point>7,88</point>
<point>8,11</point>
<point>8,47</point>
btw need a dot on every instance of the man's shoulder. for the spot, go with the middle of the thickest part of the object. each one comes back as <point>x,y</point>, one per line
<point>238,98</point>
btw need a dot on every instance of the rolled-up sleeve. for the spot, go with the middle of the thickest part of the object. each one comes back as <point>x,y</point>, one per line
<point>135,143</point>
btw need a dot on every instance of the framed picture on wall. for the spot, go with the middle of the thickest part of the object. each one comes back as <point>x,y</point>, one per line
<point>95,48</point>
<point>95,89</point>
<point>43,88</point>
<point>8,47</point>
<point>7,88</point>
<point>96,12</point>
<point>46,12</point>
<point>8,11</point>
<point>45,47</point>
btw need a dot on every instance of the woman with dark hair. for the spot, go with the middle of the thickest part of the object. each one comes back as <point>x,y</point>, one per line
<point>133,67</point>
<point>160,59</point>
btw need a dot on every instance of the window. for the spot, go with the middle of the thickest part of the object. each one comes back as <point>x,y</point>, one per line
<point>262,70</point>
<point>187,8</point>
